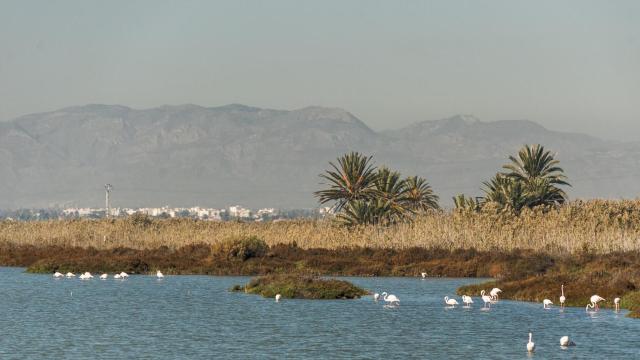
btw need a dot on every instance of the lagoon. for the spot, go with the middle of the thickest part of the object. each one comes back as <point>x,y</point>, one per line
<point>196,317</point>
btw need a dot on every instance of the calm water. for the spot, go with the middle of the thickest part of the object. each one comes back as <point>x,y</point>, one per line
<point>196,317</point>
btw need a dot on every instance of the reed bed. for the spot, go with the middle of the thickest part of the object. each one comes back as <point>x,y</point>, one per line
<point>597,226</point>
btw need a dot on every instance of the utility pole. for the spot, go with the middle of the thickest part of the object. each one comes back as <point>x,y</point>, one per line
<point>107,188</point>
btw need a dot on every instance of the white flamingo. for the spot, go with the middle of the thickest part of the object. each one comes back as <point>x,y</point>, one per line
<point>595,299</point>
<point>616,301</point>
<point>494,293</point>
<point>86,276</point>
<point>451,302</point>
<point>70,274</point>
<point>104,276</point>
<point>562,298</point>
<point>159,274</point>
<point>485,298</point>
<point>531,346</point>
<point>467,300</point>
<point>278,297</point>
<point>546,304</point>
<point>376,297</point>
<point>390,299</point>
<point>58,275</point>
<point>565,341</point>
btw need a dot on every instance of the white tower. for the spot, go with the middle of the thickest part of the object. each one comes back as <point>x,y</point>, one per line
<point>107,188</point>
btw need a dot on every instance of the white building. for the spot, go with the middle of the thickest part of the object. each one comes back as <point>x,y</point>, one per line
<point>238,211</point>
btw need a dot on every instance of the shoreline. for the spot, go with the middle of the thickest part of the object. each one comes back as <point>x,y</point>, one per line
<point>523,275</point>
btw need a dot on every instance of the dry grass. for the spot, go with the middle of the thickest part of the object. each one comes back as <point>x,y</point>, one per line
<point>596,226</point>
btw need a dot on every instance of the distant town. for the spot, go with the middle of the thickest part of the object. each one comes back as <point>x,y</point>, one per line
<point>236,212</point>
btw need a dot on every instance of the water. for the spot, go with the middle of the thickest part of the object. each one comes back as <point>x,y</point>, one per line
<point>196,317</point>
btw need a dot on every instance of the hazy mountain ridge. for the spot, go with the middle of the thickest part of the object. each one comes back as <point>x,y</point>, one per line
<point>193,155</point>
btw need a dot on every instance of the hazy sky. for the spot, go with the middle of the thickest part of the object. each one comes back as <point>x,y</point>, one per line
<point>569,65</point>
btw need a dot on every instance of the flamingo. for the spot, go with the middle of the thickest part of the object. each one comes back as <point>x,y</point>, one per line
<point>424,275</point>
<point>452,302</point>
<point>86,276</point>
<point>531,346</point>
<point>70,274</point>
<point>159,274</point>
<point>390,299</point>
<point>565,341</point>
<point>104,276</point>
<point>562,298</point>
<point>595,299</point>
<point>467,300</point>
<point>485,298</point>
<point>58,275</point>
<point>616,301</point>
<point>546,304</point>
<point>494,293</point>
<point>376,297</point>
<point>278,297</point>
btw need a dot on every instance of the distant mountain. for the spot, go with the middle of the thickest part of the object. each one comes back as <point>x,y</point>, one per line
<point>193,155</point>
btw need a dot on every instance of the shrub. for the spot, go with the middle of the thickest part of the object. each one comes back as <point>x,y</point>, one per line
<point>241,248</point>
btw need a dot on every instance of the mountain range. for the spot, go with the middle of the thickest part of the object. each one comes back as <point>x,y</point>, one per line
<point>190,155</point>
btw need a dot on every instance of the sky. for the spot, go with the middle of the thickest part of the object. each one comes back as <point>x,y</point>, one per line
<point>568,65</point>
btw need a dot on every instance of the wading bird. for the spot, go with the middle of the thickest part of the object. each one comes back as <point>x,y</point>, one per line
<point>467,300</point>
<point>562,298</point>
<point>390,299</point>
<point>104,276</point>
<point>531,346</point>
<point>58,275</point>
<point>451,302</point>
<point>616,301</point>
<point>86,276</point>
<point>595,299</point>
<point>494,293</point>
<point>546,304</point>
<point>564,341</point>
<point>278,297</point>
<point>485,298</point>
<point>159,274</point>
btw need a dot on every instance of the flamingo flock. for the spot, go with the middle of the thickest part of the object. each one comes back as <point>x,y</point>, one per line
<point>88,276</point>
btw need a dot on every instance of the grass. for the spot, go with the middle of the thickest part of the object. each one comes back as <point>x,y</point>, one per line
<point>295,286</point>
<point>595,226</point>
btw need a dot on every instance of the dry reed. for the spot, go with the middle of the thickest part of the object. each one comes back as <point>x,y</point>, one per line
<point>598,226</point>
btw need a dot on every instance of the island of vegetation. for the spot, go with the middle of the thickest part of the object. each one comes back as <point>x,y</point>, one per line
<point>296,286</point>
<point>523,232</point>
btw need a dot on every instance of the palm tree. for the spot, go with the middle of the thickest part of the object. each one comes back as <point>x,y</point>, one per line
<point>362,212</point>
<point>390,189</point>
<point>353,178</point>
<point>463,202</point>
<point>418,195</point>
<point>534,162</point>
<point>541,192</point>
<point>508,193</point>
